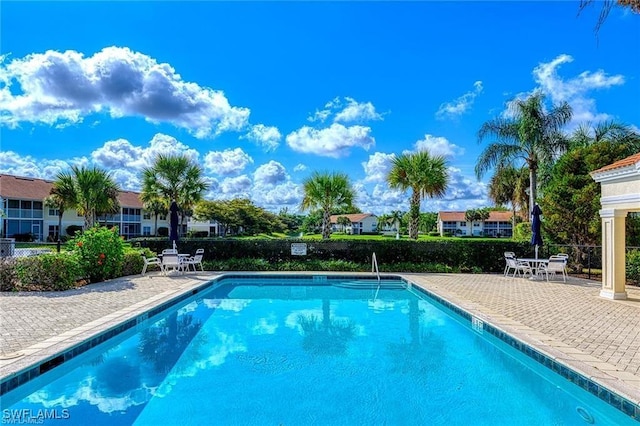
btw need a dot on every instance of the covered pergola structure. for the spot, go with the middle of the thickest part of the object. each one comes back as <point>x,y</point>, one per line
<point>620,185</point>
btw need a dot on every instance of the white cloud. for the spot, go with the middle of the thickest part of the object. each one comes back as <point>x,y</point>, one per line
<point>228,162</point>
<point>271,173</point>
<point>335,141</point>
<point>267,137</point>
<point>353,111</point>
<point>438,145</point>
<point>61,88</point>
<point>13,163</point>
<point>300,168</point>
<point>357,112</point>
<point>460,105</point>
<point>377,167</point>
<point>236,187</point>
<point>575,90</point>
<point>274,197</point>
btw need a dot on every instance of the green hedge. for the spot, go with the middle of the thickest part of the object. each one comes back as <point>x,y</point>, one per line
<point>461,254</point>
<point>55,271</point>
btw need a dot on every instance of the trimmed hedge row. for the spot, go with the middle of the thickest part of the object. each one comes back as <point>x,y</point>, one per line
<point>460,254</point>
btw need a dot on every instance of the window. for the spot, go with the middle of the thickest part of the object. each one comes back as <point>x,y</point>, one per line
<point>463,223</point>
<point>54,212</point>
<point>162,217</point>
<point>146,215</point>
<point>53,231</point>
<point>146,230</point>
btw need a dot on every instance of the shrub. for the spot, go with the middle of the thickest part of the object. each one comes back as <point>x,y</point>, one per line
<point>8,275</point>
<point>72,229</point>
<point>633,265</point>
<point>24,238</point>
<point>163,231</point>
<point>100,251</point>
<point>132,263</point>
<point>54,271</point>
<point>522,231</point>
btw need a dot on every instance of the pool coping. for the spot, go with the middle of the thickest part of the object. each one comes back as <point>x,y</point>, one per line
<point>558,357</point>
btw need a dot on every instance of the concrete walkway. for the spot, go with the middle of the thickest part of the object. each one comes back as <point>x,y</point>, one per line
<point>597,337</point>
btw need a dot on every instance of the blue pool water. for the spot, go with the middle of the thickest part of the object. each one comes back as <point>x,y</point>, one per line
<point>308,353</point>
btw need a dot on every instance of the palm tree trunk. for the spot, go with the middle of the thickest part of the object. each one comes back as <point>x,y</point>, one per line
<point>155,227</point>
<point>533,185</point>
<point>415,215</point>
<point>60,212</point>
<point>326,225</point>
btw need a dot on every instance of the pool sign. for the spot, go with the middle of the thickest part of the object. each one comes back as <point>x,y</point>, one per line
<point>298,249</point>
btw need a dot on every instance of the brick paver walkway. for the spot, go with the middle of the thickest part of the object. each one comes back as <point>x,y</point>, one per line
<point>569,321</point>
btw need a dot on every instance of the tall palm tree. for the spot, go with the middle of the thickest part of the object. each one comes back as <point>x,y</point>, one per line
<point>173,177</point>
<point>507,186</point>
<point>91,191</point>
<point>532,136</point>
<point>396,217</point>
<point>327,192</point>
<point>425,175</point>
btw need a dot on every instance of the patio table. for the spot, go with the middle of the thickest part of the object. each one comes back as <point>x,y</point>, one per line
<point>535,265</point>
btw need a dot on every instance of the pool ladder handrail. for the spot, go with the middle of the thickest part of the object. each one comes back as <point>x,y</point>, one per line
<point>374,268</point>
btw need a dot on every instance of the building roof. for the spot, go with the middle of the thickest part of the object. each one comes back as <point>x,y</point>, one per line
<point>629,161</point>
<point>26,188</point>
<point>494,216</point>
<point>354,218</point>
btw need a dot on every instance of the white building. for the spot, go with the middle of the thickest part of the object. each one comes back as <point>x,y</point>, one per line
<point>454,223</point>
<point>24,212</point>
<point>360,223</point>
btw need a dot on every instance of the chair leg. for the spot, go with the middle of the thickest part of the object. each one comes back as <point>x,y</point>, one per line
<point>144,269</point>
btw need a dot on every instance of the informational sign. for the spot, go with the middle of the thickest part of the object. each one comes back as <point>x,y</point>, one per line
<point>298,249</point>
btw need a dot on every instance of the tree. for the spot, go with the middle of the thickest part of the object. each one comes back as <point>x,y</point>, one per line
<point>343,221</point>
<point>606,131</point>
<point>327,192</point>
<point>532,136</point>
<point>237,214</point>
<point>90,191</point>
<point>156,207</point>
<point>428,221</point>
<point>58,202</point>
<point>607,5</point>
<point>507,186</point>
<point>425,175</point>
<point>173,177</point>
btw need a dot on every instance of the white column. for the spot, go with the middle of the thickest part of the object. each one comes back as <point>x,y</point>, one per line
<point>613,254</point>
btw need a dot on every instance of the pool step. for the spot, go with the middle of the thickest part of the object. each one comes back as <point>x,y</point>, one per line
<point>371,284</point>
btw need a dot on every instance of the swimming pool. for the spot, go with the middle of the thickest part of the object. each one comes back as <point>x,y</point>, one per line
<point>312,350</point>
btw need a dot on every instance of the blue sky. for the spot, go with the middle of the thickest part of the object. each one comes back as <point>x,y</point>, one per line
<point>262,94</point>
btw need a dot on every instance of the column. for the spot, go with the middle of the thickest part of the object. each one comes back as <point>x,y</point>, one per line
<point>613,254</point>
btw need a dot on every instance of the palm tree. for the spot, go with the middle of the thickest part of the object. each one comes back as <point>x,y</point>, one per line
<point>532,136</point>
<point>327,192</point>
<point>91,191</point>
<point>343,221</point>
<point>606,131</point>
<point>507,186</point>
<point>156,207</point>
<point>173,177</point>
<point>425,175</point>
<point>60,202</point>
<point>396,218</point>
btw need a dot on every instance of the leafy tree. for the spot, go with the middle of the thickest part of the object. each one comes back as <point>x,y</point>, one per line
<point>236,214</point>
<point>428,221</point>
<point>425,175</point>
<point>173,177</point>
<point>572,199</point>
<point>292,222</point>
<point>328,192</point>
<point>90,191</point>
<point>607,131</point>
<point>55,201</point>
<point>533,137</point>
<point>312,223</point>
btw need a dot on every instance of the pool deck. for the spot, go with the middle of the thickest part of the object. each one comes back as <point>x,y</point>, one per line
<point>597,337</point>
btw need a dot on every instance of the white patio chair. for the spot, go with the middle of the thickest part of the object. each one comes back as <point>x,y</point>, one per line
<point>519,267</point>
<point>171,262</point>
<point>150,261</point>
<point>554,265</point>
<point>194,260</point>
<point>508,254</point>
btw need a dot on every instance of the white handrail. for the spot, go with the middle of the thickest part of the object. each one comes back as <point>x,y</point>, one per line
<point>374,266</point>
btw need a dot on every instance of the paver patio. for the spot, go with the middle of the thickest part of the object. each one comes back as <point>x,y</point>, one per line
<point>595,336</point>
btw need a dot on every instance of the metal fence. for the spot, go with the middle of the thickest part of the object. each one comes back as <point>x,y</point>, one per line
<point>583,260</point>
